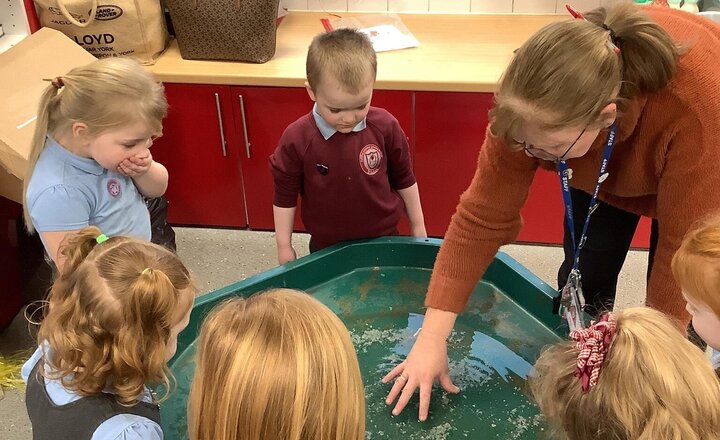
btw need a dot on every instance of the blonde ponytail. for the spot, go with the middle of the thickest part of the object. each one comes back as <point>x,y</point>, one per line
<point>76,248</point>
<point>654,384</point>
<point>154,309</point>
<point>47,102</point>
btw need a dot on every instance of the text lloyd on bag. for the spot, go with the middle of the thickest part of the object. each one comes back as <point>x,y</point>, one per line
<point>134,28</point>
<point>104,13</point>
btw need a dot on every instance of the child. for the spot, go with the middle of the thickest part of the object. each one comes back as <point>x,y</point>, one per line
<point>89,163</point>
<point>115,312</point>
<point>696,267</point>
<point>278,365</point>
<point>350,162</point>
<point>630,376</point>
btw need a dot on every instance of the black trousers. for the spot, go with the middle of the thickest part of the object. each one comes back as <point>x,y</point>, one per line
<point>608,239</point>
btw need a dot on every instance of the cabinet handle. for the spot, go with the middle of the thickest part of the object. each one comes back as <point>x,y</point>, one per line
<point>244,122</point>
<point>220,124</point>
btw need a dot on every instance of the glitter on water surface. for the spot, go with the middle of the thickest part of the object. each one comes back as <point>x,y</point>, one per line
<point>491,350</point>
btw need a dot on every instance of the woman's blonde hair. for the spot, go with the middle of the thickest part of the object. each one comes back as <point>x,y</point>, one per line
<point>654,384</point>
<point>696,264</point>
<point>568,72</point>
<point>110,313</point>
<point>106,94</point>
<point>279,365</point>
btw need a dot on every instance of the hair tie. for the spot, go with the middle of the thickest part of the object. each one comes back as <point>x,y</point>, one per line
<point>57,82</point>
<point>612,44</point>
<point>613,38</point>
<point>145,271</point>
<point>609,29</point>
<point>102,238</point>
<point>594,343</point>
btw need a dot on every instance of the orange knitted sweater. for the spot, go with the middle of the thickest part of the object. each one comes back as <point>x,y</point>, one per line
<point>665,165</point>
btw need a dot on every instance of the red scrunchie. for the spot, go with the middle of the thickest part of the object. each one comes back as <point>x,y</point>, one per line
<point>593,343</point>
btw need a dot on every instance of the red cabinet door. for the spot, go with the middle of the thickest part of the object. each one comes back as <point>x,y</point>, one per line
<point>399,104</point>
<point>262,114</point>
<point>205,186</point>
<point>641,240</point>
<point>449,131</point>
<point>543,213</point>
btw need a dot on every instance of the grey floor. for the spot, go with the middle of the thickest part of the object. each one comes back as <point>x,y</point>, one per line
<point>220,257</point>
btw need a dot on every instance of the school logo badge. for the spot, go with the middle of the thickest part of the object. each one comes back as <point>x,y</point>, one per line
<point>114,188</point>
<point>370,159</point>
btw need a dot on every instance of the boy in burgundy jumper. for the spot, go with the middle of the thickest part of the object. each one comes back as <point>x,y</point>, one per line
<point>348,161</point>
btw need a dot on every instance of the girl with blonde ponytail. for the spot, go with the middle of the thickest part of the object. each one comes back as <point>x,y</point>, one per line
<point>90,162</point>
<point>623,102</point>
<point>641,380</point>
<point>114,314</point>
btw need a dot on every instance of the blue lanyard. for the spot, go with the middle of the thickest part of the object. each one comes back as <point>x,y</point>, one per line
<point>563,172</point>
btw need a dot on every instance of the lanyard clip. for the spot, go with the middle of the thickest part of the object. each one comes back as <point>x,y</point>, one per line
<point>571,301</point>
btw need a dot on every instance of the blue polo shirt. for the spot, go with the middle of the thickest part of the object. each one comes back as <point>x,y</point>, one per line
<point>68,192</point>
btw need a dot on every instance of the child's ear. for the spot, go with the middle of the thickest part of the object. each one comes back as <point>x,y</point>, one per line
<point>310,91</point>
<point>79,130</point>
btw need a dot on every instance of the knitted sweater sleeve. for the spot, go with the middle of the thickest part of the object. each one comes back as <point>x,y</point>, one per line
<point>487,217</point>
<point>687,193</point>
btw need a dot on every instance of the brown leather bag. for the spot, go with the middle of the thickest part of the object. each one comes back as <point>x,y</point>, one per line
<point>233,30</point>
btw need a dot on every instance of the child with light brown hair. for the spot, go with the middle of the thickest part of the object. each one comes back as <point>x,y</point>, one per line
<point>279,365</point>
<point>90,163</point>
<point>632,375</point>
<point>114,313</point>
<point>349,162</point>
<point>696,267</point>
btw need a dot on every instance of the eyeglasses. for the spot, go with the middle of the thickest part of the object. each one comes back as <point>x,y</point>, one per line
<point>544,155</point>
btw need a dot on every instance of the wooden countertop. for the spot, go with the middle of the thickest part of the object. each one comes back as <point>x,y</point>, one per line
<point>465,53</point>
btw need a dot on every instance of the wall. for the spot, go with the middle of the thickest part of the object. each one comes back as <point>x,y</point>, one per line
<point>13,21</point>
<point>444,6</point>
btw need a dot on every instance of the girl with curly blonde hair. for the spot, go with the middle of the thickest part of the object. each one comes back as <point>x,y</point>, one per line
<point>114,314</point>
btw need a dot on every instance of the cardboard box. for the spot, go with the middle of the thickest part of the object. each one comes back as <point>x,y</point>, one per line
<point>44,54</point>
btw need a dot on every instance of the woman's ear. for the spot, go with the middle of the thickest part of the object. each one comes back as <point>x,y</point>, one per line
<point>608,115</point>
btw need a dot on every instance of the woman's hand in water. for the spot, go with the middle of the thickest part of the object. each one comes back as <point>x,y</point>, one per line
<point>137,165</point>
<point>426,362</point>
